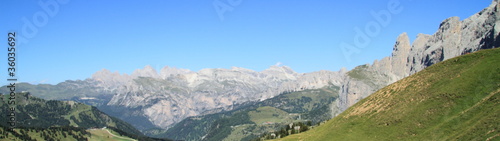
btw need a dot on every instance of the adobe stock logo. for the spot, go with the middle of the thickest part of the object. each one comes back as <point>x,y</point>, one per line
<point>39,19</point>
<point>372,29</point>
<point>221,7</point>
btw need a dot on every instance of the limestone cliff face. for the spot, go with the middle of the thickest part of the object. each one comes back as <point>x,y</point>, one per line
<point>453,38</point>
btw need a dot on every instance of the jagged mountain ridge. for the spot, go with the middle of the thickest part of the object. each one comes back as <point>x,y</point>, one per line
<point>453,38</point>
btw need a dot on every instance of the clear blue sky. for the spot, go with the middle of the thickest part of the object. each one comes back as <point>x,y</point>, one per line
<point>85,36</point>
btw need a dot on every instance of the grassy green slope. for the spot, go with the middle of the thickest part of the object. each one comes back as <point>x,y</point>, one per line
<point>457,99</point>
<point>267,114</point>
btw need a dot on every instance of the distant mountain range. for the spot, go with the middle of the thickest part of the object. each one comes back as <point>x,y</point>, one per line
<point>161,100</point>
<point>148,99</point>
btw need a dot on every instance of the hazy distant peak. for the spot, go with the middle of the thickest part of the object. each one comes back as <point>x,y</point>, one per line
<point>275,68</point>
<point>103,71</point>
<point>103,74</point>
<point>149,68</point>
<point>240,69</point>
<point>147,71</point>
<point>167,71</point>
<point>168,68</point>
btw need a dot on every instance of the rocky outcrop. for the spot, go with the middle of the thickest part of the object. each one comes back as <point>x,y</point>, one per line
<point>399,56</point>
<point>453,38</point>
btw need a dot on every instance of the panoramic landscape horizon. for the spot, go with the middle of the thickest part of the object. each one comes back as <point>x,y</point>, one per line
<point>235,70</point>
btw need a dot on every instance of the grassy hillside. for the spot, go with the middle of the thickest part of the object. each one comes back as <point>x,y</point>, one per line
<point>252,120</point>
<point>267,114</point>
<point>457,99</point>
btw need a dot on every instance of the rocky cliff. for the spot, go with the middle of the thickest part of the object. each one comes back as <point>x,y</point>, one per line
<point>453,38</point>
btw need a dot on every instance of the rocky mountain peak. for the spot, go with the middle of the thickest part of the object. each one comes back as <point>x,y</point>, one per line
<point>400,54</point>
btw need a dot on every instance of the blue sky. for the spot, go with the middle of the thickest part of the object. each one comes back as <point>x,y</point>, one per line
<point>83,37</point>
